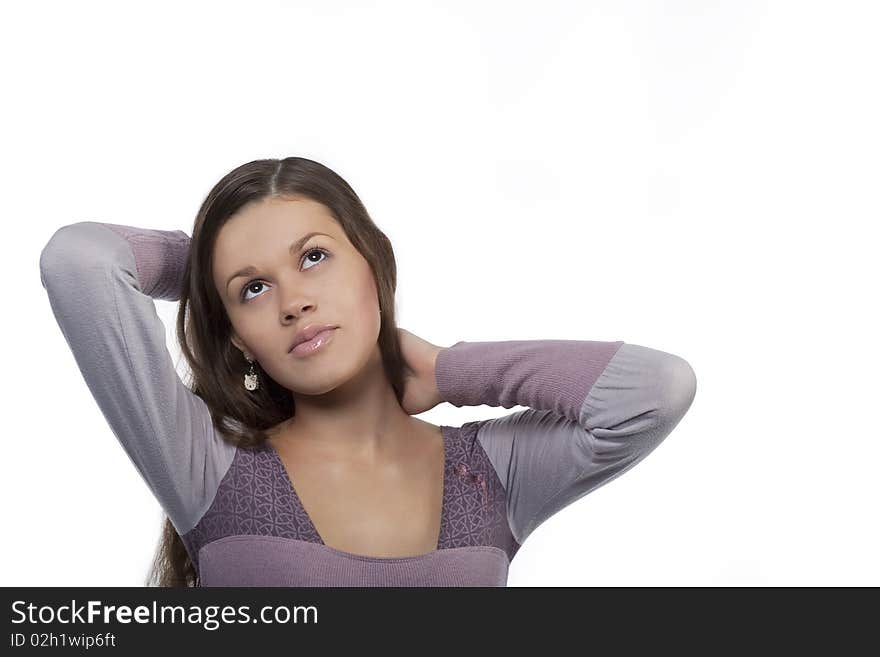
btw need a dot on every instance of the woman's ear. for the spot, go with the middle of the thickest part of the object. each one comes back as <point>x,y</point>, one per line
<point>239,344</point>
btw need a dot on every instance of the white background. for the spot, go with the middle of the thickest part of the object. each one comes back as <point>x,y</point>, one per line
<point>696,177</point>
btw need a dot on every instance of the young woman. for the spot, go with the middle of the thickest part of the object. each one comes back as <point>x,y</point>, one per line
<point>293,458</point>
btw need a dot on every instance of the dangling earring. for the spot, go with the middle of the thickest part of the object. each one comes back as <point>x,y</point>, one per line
<point>250,379</point>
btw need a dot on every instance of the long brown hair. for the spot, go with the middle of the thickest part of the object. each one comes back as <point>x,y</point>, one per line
<point>203,328</point>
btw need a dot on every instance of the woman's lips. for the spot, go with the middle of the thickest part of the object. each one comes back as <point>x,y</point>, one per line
<point>310,346</point>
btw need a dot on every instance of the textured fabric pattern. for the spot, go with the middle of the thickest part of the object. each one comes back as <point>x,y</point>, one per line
<point>258,498</point>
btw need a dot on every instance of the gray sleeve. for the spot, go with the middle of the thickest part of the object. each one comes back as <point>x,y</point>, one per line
<point>101,280</point>
<point>596,409</point>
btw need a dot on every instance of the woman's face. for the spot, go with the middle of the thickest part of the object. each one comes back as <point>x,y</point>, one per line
<point>324,280</point>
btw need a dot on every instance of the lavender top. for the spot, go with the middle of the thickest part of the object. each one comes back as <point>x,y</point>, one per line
<point>594,409</point>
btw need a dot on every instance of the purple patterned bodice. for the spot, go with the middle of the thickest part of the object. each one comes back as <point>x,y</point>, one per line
<point>257,510</point>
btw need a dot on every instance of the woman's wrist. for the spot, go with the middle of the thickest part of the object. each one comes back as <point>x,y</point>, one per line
<point>435,389</point>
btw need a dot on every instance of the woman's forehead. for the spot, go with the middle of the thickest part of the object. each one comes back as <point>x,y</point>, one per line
<point>259,234</point>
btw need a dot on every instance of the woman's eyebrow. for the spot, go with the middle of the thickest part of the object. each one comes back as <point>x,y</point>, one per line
<point>295,246</point>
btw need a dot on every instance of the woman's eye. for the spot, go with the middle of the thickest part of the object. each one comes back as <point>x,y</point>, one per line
<point>306,258</point>
<point>314,251</point>
<point>247,287</point>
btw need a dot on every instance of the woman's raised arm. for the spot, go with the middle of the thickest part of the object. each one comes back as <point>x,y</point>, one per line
<point>101,280</point>
<point>595,410</point>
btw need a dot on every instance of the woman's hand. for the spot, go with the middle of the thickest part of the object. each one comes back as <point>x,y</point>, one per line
<point>420,387</point>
